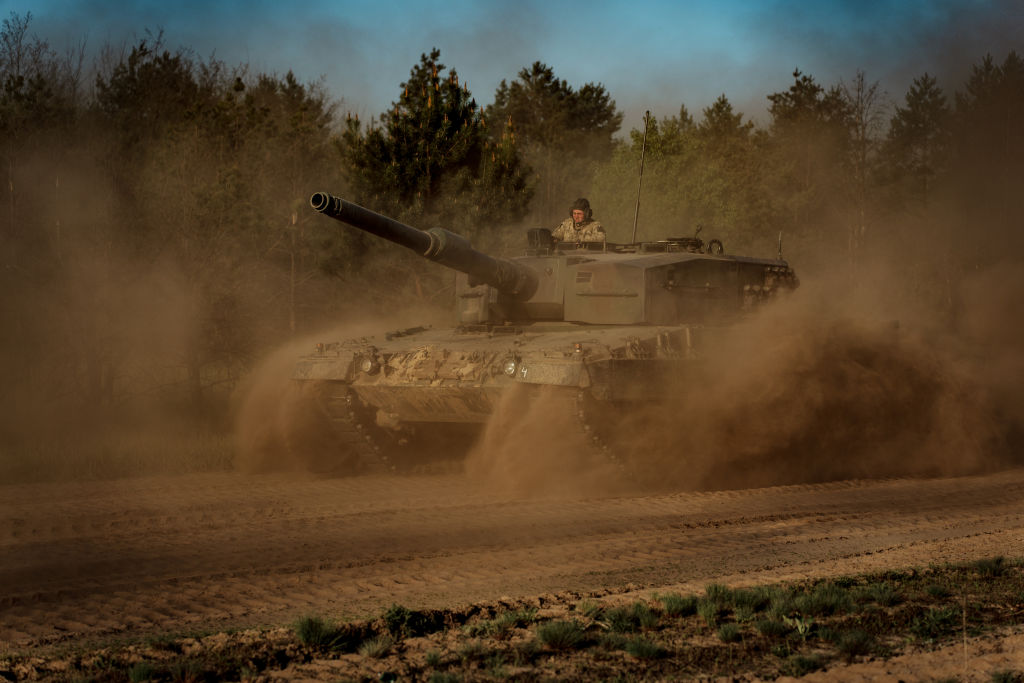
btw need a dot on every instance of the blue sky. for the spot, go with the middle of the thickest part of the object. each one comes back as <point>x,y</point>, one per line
<point>649,55</point>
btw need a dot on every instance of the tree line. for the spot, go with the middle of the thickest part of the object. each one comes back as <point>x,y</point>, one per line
<point>156,239</point>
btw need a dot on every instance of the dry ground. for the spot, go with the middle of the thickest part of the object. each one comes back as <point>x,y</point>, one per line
<point>84,565</point>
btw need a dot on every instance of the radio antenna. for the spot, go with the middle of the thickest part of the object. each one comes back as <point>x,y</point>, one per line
<point>643,151</point>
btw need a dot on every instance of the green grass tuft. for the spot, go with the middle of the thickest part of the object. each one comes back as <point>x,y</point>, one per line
<point>376,648</point>
<point>935,622</point>
<point>772,628</point>
<point>590,609</point>
<point>991,567</point>
<point>937,591</point>
<point>561,634</point>
<point>316,632</point>
<point>883,594</point>
<point>855,643</point>
<point>801,665</point>
<point>729,633</point>
<point>642,648</point>
<point>443,677</point>
<point>826,599</point>
<point>635,617</point>
<point>473,651</point>
<point>142,671</point>
<point>709,611</point>
<point>676,605</point>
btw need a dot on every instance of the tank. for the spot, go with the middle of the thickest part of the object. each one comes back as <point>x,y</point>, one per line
<point>598,324</point>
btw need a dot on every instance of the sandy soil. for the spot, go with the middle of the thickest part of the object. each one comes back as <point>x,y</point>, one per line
<point>89,561</point>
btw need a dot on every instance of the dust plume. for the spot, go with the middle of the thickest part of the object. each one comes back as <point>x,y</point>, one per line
<point>807,393</point>
<point>278,425</point>
<point>829,383</point>
<point>533,445</point>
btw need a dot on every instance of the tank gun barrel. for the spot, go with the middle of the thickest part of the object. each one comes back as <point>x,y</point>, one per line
<point>444,247</point>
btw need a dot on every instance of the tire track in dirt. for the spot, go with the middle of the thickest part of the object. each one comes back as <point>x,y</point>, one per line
<point>132,557</point>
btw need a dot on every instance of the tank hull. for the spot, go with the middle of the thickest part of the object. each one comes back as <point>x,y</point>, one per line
<point>459,376</point>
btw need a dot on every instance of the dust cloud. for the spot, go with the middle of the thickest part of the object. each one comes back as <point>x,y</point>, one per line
<point>278,427</point>
<point>835,381</point>
<point>533,445</point>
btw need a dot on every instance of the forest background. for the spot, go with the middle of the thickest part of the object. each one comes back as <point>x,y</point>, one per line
<point>156,239</point>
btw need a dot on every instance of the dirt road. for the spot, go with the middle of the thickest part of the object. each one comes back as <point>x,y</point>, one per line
<point>95,560</point>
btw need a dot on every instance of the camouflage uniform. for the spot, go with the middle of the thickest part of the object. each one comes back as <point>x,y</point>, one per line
<point>587,231</point>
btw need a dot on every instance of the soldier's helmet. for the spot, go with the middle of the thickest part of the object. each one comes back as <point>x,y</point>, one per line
<point>583,205</point>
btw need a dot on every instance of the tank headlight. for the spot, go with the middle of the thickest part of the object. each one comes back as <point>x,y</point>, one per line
<point>509,367</point>
<point>370,366</point>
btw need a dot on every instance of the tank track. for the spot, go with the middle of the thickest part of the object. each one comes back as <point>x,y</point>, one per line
<point>371,447</point>
<point>360,446</point>
<point>589,416</point>
<point>354,426</point>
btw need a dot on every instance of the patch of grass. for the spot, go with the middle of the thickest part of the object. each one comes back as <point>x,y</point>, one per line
<point>826,599</point>
<point>141,671</point>
<point>883,594</point>
<point>323,634</point>
<point>1006,676</point>
<point>443,677</point>
<point>316,632</point>
<point>561,634</point>
<point>612,641</point>
<point>801,665</point>
<point>719,594</point>
<point>402,622</point>
<point>635,617</point>
<point>185,671</point>
<point>501,626</point>
<point>526,652</point>
<point>805,627</point>
<point>772,628</point>
<point>376,648</point>
<point>473,651</point>
<point>496,666</point>
<point>855,643</point>
<point>935,622</point>
<point>709,611</point>
<point>750,600</point>
<point>167,643</point>
<point>781,602</point>
<point>676,605</point>
<point>590,609</point>
<point>619,620</point>
<point>937,591</point>
<point>642,648</point>
<point>991,567</point>
<point>827,634</point>
<point>729,633</point>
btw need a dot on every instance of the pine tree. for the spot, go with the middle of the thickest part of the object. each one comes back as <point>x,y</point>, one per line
<point>562,131</point>
<point>808,149</point>
<point>987,166</point>
<point>917,145</point>
<point>432,160</point>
